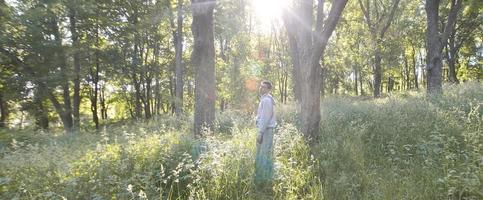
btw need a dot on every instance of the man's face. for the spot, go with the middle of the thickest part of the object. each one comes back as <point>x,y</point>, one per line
<point>263,89</point>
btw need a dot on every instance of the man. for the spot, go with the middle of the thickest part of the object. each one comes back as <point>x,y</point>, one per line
<point>266,124</point>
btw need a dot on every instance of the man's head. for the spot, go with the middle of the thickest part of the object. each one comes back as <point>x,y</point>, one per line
<point>265,87</point>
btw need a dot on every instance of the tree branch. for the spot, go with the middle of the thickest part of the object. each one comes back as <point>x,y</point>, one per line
<point>389,20</point>
<point>448,29</point>
<point>321,42</point>
<point>366,13</point>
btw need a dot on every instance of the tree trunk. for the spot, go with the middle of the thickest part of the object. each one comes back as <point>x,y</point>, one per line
<point>65,117</point>
<point>39,111</point>
<point>135,65</point>
<point>59,108</point>
<point>451,57</point>
<point>377,69</point>
<point>355,80</point>
<point>147,102</point>
<point>415,73</point>
<point>77,69</point>
<point>203,60</point>
<point>434,60</point>
<point>137,86</point>
<point>95,93</point>
<point>406,72</point>
<point>436,42</point>
<point>307,49</point>
<point>66,107</point>
<point>102,101</point>
<point>172,93</point>
<point>179,59</point>
<point>94,73</point>
<point>157,96</point>
<point>377,30</point>
<point>360,82</point>
<point>222,105</point>
<point>3,111</point>
<point>452,70</point>
<point>285,88</point>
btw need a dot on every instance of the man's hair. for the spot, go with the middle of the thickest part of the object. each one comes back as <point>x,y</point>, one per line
<point>268,84</point>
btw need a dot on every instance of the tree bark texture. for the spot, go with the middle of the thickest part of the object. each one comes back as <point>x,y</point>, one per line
<point>436,40</point>
<point>203,60</point>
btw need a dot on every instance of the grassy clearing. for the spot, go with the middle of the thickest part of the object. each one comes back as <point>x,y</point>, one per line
<point>400,147</point>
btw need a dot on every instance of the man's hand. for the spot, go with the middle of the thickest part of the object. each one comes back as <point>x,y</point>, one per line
<point>260,138</point>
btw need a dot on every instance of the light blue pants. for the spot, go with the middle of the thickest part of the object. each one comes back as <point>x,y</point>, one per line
<point>264,158</point>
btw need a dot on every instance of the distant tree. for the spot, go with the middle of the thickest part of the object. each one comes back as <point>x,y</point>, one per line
<point>378,19</point>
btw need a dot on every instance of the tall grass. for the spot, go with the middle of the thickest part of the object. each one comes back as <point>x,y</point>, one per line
<point>400,147</point>
<point>404,148</point>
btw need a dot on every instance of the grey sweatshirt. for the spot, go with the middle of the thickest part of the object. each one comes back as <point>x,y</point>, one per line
<point>266,113</point>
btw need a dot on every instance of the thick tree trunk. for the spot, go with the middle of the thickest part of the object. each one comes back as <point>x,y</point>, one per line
<point>434,59</point>
<point>436,42</point>
<point>310,104</point>
<point>377,69</point>
<point>307,49</point>
<point>203,60</point>
<point>77,69</point>
<point>64,116</point>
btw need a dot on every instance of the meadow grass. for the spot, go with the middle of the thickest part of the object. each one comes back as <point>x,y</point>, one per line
<point>405,146</point>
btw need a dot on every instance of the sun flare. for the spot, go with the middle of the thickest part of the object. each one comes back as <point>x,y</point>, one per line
<point>268,10</point>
